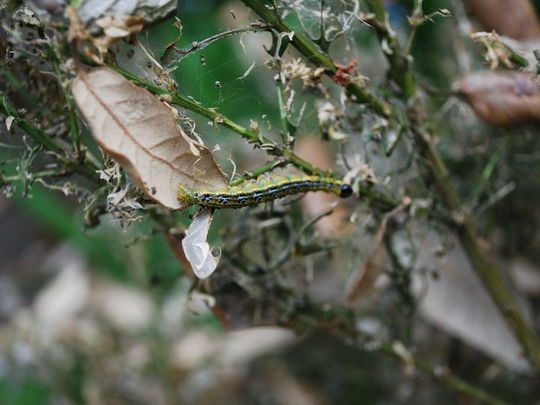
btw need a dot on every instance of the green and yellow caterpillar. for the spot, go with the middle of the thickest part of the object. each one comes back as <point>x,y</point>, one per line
<point>264,189</point>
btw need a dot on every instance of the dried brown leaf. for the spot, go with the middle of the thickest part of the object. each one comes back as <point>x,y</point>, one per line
<point>139,131</point>
<point>502,98</point>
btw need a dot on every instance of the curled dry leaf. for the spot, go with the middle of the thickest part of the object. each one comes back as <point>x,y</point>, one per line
<point>516,19</point>
<point>502,98</point>
<point>135,128</point>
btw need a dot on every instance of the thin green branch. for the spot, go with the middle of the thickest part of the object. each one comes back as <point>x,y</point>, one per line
<point>519,60</point>
<point>32,176</point>
<point>199,45</point>
<point>312,52</point>
<point>267,167</point>
<point>399,61</point>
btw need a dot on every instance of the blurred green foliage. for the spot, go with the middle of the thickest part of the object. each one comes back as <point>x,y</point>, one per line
<point>29,391</point>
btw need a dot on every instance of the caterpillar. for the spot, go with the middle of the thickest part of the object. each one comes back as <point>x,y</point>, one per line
<point>264,189</point>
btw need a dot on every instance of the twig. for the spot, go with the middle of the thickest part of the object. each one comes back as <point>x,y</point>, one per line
<point>32,176</point>
<point>197,46</point>
<point>399,61</point>
<point>267,167</point>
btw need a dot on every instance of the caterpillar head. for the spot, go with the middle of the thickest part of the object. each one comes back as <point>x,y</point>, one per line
<point>345,190</point>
